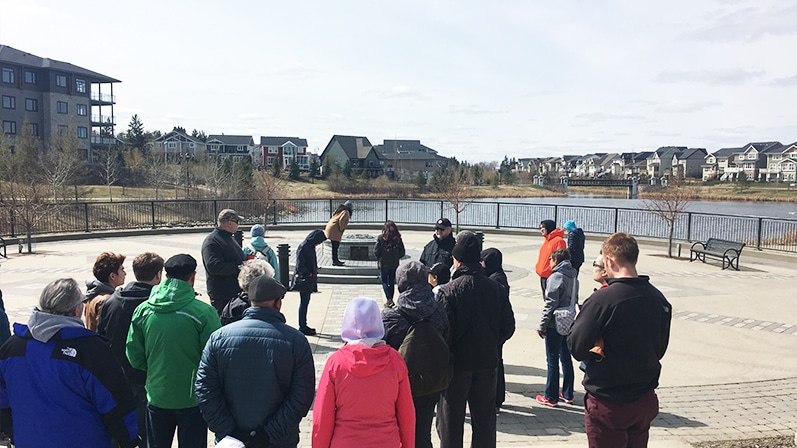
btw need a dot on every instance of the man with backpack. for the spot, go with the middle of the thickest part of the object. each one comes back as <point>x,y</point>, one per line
<point>481,320</point>
<point>418,328</point>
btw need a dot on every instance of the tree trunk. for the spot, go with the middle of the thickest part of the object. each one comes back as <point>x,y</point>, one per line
<point>669,240</point>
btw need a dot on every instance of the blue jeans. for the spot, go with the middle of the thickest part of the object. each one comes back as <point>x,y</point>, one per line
<point>192,431</point>
<point>556,350</point>
<point>388,278</point>
<point>304,302</point>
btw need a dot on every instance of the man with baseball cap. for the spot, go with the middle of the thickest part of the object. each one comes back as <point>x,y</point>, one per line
<point>222,257</point>
<point>256,380</point>
<point>178,324</point>
<point>439,249</point>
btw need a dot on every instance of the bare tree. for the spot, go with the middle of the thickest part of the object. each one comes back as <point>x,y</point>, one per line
<point>156,172</point>
<point>267,188</point>
<point>453,185</point>
<point>61,163</point>
<point>108,167</point>
<point>213,173</point>
<point>670,203</point>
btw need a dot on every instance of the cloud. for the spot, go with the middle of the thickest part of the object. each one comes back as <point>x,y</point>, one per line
<point>747,24</point>
<point>475,109</point>
<point>785,82</point>
<point>731,76</point>
<point>601,117</point>
<point>680,108</point>
<point>399,92</point>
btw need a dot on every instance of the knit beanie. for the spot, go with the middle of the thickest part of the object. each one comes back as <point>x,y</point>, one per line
<point>258,230</point>
<point>570,225</point>
<point>468,248</point>
<point>549,225</point>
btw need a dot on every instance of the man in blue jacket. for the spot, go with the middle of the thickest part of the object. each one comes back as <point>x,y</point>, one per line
<point>256,379</point>
<point>60,385</point>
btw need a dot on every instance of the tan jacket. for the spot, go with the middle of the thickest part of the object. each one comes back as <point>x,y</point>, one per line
<point>337,225</point>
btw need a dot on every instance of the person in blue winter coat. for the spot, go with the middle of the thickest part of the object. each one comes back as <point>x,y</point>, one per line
<point>259,248</point>
<point>60,383</point>
<point>575,244</point>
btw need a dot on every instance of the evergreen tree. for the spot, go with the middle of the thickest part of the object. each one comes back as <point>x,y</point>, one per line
<point>136,136</point>
<point>293,170</point>
<point>313,172</point>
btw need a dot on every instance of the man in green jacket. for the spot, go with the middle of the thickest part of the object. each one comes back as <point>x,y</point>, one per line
<point>166,338</point>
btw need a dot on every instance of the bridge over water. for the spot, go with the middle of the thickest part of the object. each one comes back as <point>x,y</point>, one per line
<point>632,184</point>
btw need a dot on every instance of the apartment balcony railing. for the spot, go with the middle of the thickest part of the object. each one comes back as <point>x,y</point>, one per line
<point>99,140</point>
<point>103,98</point>
<point>102,119</point>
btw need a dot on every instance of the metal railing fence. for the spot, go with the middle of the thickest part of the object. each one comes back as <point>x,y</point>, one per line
<point>759,232</point>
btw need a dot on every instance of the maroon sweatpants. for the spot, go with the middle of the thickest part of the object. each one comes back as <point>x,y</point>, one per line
<point>618,425</point>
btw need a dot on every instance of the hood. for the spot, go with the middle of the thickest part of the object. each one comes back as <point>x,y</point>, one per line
<point>493,259</point>
<point>468,269</point>
<point>566,269</point>
<point>133,295</point>
<point>258,243</point>
<point>555,233</point>
<point>314,237</point>
<point>171,295</point>
<point>43,326</point>
<point>95,288</point>
<point>365,361</point>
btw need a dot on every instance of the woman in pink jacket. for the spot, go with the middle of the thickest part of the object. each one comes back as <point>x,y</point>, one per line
<point>364,397</point>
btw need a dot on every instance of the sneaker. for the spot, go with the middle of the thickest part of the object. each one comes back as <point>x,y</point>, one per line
<point>542,400</point>
<point>566,400</point>
<point>389,304</point>
<point>338,263</point>
<point>307,331</point>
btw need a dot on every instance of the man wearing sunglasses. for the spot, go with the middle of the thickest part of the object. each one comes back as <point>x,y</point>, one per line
<point>222,257</point>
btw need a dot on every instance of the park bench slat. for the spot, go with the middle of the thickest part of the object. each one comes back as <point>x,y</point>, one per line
<point>726,251</point>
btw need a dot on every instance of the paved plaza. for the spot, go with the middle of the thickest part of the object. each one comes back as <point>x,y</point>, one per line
<point>730,371</point>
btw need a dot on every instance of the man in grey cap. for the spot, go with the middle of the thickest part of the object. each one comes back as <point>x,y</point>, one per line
<point>256,379</point>
<point>50,360</point>
<point>439,249</point>
<point>222,257</point>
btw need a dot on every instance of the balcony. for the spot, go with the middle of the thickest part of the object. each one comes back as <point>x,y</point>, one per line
<point>98,98</point>
<point>99,140</point>
<point>102,120</point>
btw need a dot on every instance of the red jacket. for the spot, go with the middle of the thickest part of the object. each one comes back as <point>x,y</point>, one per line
<point>364,400</point>
<point>553,241</point>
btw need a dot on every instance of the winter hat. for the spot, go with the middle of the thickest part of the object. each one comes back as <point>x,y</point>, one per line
<point>362,319</point>
<point>468,248</point>
<point>180,266</point>
<point>265,289</point>
<point>411,273</point>
<point>258,230</point>
<point>570,225</point>
<point>549,225</point>
<point>348,205</point>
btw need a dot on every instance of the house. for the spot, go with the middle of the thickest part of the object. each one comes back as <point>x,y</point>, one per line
<point>282,151</point>
<point>404,159</point>
<point>235,147</point>
<point>718,164</point>
<point>753,158</point>
<point>780,165</point>
<point>358,151</point>
<point>529,165</point>
<point>630,164</point>
<point>688,163</point>
<point>179,144</point>
<point>51,96</point>
<point>659,164</point>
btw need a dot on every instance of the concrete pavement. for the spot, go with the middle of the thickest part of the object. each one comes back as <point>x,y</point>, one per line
<point>730,371</point>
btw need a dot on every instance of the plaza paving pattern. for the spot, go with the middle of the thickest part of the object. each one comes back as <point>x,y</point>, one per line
<point>730,371</point>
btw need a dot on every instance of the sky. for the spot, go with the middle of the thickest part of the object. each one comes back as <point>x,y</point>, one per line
<point>471,79</point>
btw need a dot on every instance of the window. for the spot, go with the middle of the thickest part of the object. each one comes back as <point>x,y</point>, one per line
<point>60,80</point>
<point>82,110</point>
<point>8,75</point>
<point>31,104</point>
<point>272,150</point>
<point>270,161</point>
<point>62,129</point>
<point>171,145</point>
<point>30,77</point>
<point>34,129</point>
<point>213,148</point>
<point>9,102</point>
<point>62,107</point>
<point>241,148</point>
<point>80,85</point>
<point>82,132</point>
<point>751,156</point>
<point>10,127</point>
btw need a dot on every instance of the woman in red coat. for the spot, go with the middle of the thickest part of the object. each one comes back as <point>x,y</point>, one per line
<point>364,397</point>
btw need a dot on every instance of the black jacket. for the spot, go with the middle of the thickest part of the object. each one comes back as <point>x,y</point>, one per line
<point>633,318</point>
<point>419,303</point>
<point>114,323</point>
<point>306,260</point>
<point>493,266</point>
<point>575,245</point>
<point>222,258</point>
<point>480,315</point>
<point>388,258</point>
<point>439,251</point>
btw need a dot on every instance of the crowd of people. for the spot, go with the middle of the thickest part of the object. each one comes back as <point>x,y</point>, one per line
<point>132,364</point>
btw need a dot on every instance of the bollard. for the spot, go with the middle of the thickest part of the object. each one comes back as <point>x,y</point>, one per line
<point>239,237</point>
<point>679,250</point>
<point>283,254</point>
<point>480,236</point>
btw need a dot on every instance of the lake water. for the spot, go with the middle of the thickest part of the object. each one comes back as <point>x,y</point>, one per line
<point>786,210</point>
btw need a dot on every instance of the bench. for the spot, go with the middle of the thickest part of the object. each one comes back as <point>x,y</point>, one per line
<point>727,251</point>
<point>3,248</point>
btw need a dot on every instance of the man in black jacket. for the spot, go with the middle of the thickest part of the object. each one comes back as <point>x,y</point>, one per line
<point>439,249</point>
<point>481,320</point>
<point>633,319</point>
<point>222,257</point>
<point>114,323</point>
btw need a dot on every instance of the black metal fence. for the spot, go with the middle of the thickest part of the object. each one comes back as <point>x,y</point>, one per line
<point>759,232</point>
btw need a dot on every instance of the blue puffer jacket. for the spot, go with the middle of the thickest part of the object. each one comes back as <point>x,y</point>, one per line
<point>253,371</point>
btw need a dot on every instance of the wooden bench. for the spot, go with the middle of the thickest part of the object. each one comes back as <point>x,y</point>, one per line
<point>727,251</point>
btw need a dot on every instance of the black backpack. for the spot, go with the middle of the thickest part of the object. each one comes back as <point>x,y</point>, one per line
<point>427,356</point>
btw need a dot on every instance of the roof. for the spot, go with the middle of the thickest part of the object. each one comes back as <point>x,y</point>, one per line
<point>13,56</point>
<point>280,141</point>
<point>762,146</point>
<point>179,135</point>
<point>237,140</point>
<point>726,152</point>
<point>406,150</point>
<point>692,153</point>
<point>670,149</point>
<point>354,147</point>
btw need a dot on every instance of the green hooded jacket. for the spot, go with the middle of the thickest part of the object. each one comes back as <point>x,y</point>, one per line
<point>166,338</point>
